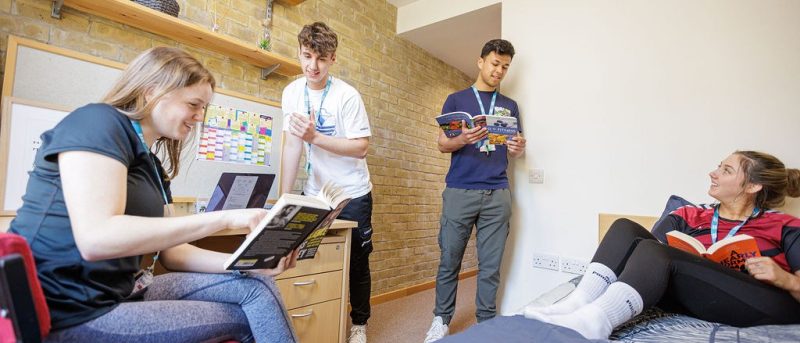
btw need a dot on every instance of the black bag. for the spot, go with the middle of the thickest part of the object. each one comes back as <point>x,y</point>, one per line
<point>170,7</point>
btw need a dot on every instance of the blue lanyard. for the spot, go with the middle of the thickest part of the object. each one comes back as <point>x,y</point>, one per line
<point>321,101</point>
<point>317,121</point>
<point>715,224</point>
<point>138,128</point>
<point>480,102</point>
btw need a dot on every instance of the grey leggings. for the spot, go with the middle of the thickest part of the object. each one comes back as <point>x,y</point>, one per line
<point>193,307</point>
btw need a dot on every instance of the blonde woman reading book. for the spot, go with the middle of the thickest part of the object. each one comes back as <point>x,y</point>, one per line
<point>96,202</point>
<point>632,270</point>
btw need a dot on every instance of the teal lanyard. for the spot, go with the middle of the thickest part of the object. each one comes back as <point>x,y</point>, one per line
<point>484,145</point>
<point>715,224</point>
<point>317,119</point>
<point>138,128</point>
<point>490,111</point>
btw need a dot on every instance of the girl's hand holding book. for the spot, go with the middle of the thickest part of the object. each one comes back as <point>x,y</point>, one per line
<point>765,269</point>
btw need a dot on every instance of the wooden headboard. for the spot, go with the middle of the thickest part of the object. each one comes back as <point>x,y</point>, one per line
<point>606,219</point>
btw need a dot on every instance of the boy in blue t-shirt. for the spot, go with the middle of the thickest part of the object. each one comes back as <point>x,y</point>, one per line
<point>477,190</point>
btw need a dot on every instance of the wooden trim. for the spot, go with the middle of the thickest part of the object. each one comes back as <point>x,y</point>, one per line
<point>66,52</point>
<point>401,293</point>
<point>10,69</point>
<point>243,96</point>
<point>17,41</point>
<point>290,2</point>
<point>606,219</point>
<point>141,17</point>
<point>5,134</point>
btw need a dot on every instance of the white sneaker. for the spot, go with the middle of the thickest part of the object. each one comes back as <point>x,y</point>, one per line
<point>358,334</point>
<point>437,331</point>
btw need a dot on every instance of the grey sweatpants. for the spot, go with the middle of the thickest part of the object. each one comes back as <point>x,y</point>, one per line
<point>489,211</point>
<point>193,307</point>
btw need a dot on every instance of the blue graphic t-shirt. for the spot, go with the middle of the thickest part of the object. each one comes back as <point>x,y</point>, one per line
<point>469,167</point>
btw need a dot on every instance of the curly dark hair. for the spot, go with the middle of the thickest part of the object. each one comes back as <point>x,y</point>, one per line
<point>498,46</point>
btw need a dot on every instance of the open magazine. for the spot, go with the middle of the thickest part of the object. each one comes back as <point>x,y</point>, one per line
<point>501,128</point>
<point>730,252</point>
<point>295,221</point>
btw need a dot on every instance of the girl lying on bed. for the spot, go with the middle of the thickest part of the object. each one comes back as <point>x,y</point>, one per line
<point>631,270</point>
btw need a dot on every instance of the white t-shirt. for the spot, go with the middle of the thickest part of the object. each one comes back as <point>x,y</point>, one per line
<point>342,115</point>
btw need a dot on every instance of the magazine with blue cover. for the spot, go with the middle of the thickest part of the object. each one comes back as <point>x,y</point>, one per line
<point>501,128</point>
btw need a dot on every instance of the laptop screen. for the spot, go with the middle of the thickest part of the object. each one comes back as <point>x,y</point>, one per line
<point>240,190</point>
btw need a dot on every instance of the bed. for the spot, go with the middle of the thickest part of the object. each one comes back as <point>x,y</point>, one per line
<point>653,325</point>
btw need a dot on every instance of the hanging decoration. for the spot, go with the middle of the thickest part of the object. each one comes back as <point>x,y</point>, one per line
<point>265,42</point>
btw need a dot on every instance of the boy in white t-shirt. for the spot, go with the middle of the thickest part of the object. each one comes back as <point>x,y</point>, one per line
<point>326,117</point>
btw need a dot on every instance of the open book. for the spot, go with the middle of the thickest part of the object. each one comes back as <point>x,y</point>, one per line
<point>295,221</point>
<point>501,128</point>
<point>730,252</point>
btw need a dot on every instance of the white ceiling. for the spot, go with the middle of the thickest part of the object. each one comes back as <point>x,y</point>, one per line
<point>458,40</point>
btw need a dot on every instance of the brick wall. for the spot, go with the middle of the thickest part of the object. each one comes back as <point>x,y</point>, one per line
<point>403,87</point>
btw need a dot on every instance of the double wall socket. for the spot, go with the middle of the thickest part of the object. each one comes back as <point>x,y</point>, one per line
<point>573,266</point>
<point>564,264</point>
<point>545,261</point>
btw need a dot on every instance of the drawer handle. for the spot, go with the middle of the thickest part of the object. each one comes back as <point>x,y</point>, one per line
<point>310,312</point>
<point>305,283</point>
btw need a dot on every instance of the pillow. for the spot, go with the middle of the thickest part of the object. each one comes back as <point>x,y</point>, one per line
<point>673,203</point>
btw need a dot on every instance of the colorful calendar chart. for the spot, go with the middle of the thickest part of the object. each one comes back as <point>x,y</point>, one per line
<point>235,136</point>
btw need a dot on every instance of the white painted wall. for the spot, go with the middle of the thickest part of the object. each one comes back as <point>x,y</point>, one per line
<point>625,102</point>
<point>425,12</point>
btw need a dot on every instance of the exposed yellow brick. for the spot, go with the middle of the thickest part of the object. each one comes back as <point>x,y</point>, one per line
<point>119,35</point>
<point>81,42</point>
<point>36,30</point>
<point>5,6</point>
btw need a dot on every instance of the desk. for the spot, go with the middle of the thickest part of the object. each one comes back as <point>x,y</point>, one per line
<point>316,291</point>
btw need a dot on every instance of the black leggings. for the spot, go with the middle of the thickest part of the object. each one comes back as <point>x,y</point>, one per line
<point>680,282</point>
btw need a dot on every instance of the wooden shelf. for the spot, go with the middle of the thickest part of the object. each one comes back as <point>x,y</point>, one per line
<point>136,15</point>
<point>290,2</point>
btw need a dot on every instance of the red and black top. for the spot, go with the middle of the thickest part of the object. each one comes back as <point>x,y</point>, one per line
<point>777,234</point>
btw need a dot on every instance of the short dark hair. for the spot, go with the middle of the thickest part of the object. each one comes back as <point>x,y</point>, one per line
<point>499,46</point>
<point>319,38</point>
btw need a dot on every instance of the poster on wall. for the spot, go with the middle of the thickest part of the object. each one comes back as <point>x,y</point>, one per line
<point>23,123</point>
<point>235,136</point>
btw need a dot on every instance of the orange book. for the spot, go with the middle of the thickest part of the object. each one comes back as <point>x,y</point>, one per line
<point>730,252</point>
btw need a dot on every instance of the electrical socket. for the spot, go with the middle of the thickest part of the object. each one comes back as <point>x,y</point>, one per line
<point>545,261</point>
<point>573,266</point>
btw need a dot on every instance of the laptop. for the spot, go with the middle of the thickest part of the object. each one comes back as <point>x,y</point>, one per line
<point>240,190</point>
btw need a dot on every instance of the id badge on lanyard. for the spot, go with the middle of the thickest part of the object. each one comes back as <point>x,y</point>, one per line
<point>145,276</point>
<point>484,144</point>
<point>316,120</point>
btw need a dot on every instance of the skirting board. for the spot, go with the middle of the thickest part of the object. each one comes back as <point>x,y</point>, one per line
<point>400,293</point>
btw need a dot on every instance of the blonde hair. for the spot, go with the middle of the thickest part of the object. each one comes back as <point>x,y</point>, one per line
<point>777,182</point>
<point>159,70</point>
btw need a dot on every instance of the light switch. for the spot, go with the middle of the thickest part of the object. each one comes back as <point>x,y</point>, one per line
<point>536,175</point>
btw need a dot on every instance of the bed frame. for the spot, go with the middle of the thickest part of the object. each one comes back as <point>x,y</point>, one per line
<point>606,219</point>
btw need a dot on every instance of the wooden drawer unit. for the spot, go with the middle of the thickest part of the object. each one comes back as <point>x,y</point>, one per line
<point>315,292</point>
<point>328,258</point>
<point>311,289</point>
<point>318,323</point>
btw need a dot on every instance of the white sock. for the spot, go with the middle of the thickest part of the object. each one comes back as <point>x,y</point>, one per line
<point>618,304</point>
<point>592,285</point>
